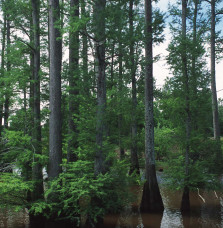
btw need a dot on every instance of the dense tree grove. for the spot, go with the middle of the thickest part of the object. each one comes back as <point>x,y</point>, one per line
<point>81,119</point>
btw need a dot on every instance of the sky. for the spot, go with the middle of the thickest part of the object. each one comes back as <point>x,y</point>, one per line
<point>161,69</point>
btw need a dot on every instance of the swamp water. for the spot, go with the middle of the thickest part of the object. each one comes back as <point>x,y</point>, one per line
<point>206,212</point>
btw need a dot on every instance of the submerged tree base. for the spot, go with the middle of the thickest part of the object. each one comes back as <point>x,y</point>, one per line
<point>151,198</point>
<point>185,203</point>
<point>37,221</point>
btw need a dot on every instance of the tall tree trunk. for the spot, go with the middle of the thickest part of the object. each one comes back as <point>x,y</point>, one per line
<point>134,155</point>
<point>8,65</point>
<point>37,168</point>
<point>55,123</point>
<point>73,83</point>
<point>85,53</point>
<point>99,28</point>
<point>31,83</point>
<point>151,199</point>
<point>213,82</point>
<point>185,204</point>
<point>120,88</point>
<point>194,59</point>
<point>2,70</point>
<point>193,70</point>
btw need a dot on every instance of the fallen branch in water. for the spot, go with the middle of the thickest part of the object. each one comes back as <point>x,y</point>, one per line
<point>200,195</point>
<point>215,194</point>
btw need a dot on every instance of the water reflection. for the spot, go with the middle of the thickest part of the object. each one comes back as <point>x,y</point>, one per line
<point>206,212</point>
<point>11,219</point>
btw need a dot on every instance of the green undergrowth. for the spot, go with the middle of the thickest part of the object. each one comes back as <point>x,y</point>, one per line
<point>78,192</point>
<point>13,191</point>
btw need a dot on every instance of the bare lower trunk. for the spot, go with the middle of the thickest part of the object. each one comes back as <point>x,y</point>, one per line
<point>55,123</point>
<point>73,84</point>
<point>151,199</point>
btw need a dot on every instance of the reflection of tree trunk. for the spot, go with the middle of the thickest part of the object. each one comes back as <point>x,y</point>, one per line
<point>73,84</point>
<point>134,155</point>
<point>185,204</point>
<point>211,210</point>
<point>151,199</point>
<point>55,125</point>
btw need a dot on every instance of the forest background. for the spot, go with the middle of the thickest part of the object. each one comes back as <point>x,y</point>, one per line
<point>78,98</point>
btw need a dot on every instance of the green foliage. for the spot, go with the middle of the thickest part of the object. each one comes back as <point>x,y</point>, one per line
<point>164,141</point>
<point>80,193</point>
<point>13,190</point>
<point>202,169</point>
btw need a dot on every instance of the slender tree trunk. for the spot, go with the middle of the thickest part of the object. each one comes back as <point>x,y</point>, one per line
<point>185,204</point>
<point>37,168</point>
<point>151,199</point>
<point>213,82</point>
<point>134,155</point>
<point>99,20</point>
<point>73,84</point>
<point>25,108</point>
<point>31,88</point>
<point>120,88</point>
<point>194,59</point>
<point>55,123</point>
<point>193,70</point>
<point>2,70</point>
<point>85,54</point>
<point>8,65</point>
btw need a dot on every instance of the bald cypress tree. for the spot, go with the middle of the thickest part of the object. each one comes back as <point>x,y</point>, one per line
<point>185,204</point>
<point>73,82</point>
<point>99,32</point>
<point>55,134</point>
<point>151,199</point>
<point>37,168</point>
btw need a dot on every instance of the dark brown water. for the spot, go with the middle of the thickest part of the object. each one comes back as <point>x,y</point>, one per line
<point>207,212</point>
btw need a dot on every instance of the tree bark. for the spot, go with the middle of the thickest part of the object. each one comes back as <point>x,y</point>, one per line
<point>73,83</point>
<point>134,152</point>
<point>85,54</point>
<point>213,82</point>
<point>99,30</point>
<point>185,204</point>
<point>193,67</point>
<point>8,65</point>
<point>120,88</point>
<point>2,70</point>
<point>193,70</point>
<point>37,168</point>
<point>151,199</point>
<point>55,122</point>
